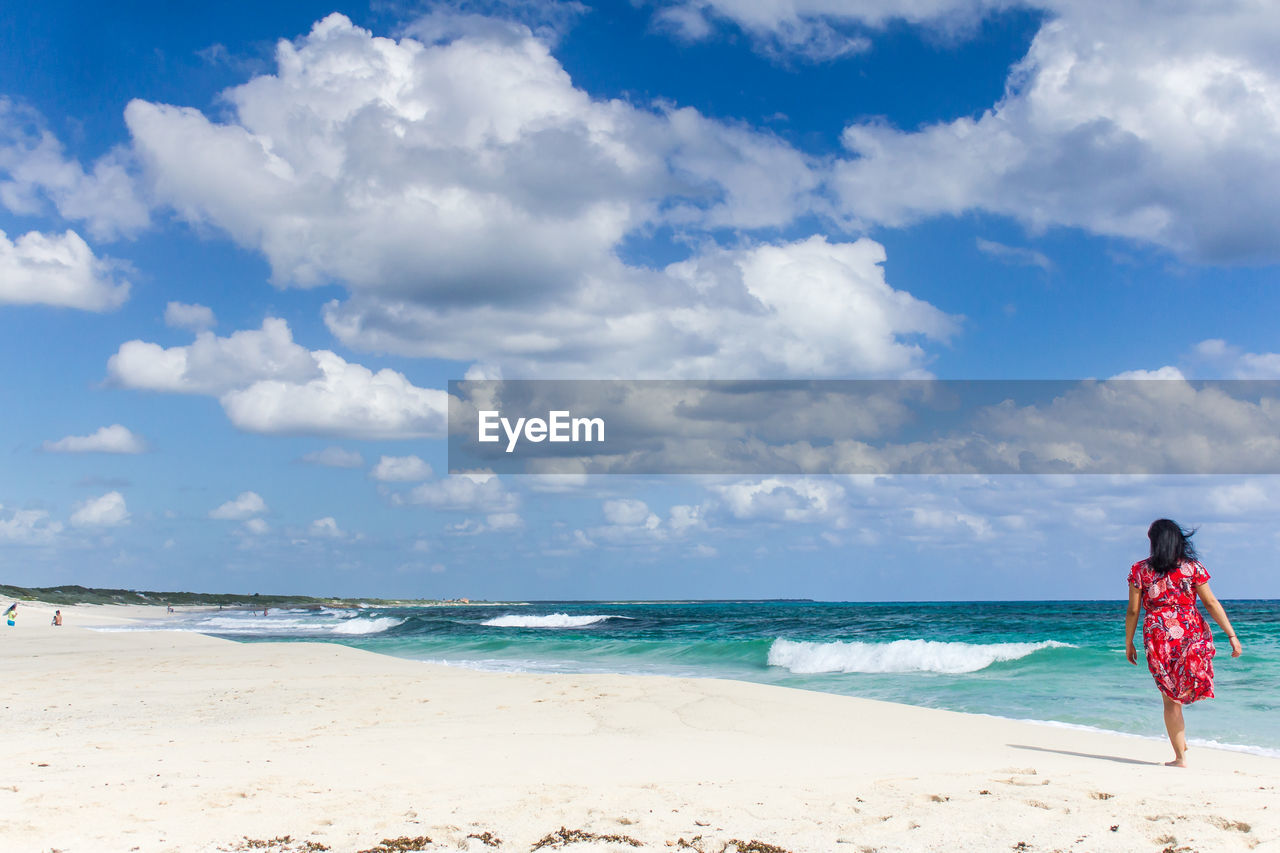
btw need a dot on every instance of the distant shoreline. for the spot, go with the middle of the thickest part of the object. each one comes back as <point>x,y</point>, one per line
<point>76,594</point>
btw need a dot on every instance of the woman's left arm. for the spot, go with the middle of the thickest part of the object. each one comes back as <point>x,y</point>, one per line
<point>1131,624</point>
<point>1219,615</point>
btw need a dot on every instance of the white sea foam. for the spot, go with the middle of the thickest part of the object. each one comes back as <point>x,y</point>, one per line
<point>1233,747</point>
<point>553,620</point>
<point>545,666</point>
<point>498,665</point>
<point>258,625</point>
<point>367,626</point>
<point>1205,742</point>
<point>897,656</point>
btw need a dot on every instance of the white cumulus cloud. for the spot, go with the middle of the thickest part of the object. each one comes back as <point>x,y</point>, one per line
<point>629,512</point>
<point>107,510</point>
<point>504,521</point>
<point>181,315</point>
<point>269,384</point>
<point>27,526</point>
<point>214,365</point>
<point>791,499</point>
<point>464,493</point>
<point>1166,372</point>
<point>34,171</point>
<point>460,180</point>
<point>1159,128</point>
<point>819,30</point>
<point>59,270</point>
<point>326,527</point>
<point>256,526</point>
<point>346,400</point>
<point>1234,363</point>
<point>498,522</point>
<point>245,505</point>
<point>108,439</point>
<point>461,166</point>
<point>401,469</point>
<point>809,307</point>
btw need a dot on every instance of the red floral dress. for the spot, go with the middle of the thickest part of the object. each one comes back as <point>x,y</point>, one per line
<point>1178,641</point>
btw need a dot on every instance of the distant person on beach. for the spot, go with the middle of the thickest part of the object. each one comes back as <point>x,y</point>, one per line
<point>57,618</point>
<point>1178,641</point>
<point>11,615</point>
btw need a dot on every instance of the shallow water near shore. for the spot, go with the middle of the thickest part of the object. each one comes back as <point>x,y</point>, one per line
<point>1059,662</point>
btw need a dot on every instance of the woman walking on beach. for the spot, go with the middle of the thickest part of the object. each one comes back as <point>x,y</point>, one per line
<point>1178,641</point>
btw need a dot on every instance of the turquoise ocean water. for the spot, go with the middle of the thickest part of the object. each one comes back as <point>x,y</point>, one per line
<point>1058,662</point>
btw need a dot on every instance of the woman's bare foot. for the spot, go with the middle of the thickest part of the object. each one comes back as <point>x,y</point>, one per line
<point>1177,762</point>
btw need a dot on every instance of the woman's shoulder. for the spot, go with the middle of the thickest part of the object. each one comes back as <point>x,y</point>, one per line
<point>1194,569</point>
<point>1136,571</point>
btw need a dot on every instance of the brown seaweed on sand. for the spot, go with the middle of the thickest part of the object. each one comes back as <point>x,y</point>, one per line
<point>400,845</point>
<point>752,846</point>
<point>281,844</point>
<point>486,838</point>
<point>563,836</point>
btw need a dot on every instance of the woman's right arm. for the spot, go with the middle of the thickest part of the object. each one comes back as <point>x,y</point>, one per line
<point>1219,615</point>
<point>1131,624</point>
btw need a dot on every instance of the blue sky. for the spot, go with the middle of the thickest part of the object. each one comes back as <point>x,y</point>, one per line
<point>246,248</point>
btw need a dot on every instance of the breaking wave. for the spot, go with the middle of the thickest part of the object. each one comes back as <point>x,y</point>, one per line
<point>284,625</point>
<point>898,656</point>
<point>554,620</point>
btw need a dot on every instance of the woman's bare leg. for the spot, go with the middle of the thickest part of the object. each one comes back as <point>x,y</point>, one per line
<point>1177,729</point>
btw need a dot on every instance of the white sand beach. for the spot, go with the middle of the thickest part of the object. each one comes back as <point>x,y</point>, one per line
<point>167,741</point>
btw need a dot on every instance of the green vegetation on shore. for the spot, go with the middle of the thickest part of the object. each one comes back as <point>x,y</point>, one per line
<point>76,594</point>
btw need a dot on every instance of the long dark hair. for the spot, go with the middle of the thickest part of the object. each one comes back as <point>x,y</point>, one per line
<point>1170,545</point>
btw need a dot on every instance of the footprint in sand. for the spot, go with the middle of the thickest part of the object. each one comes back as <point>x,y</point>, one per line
<point>1233,825</point>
